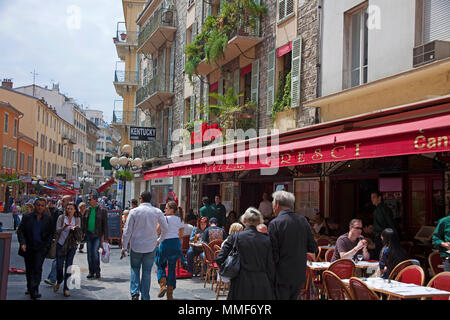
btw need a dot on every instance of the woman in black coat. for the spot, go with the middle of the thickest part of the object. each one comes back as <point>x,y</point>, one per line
<point>255,279</point>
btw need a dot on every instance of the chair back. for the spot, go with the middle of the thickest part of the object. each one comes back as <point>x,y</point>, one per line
<point>335,288</point>
<point>215,242</point>
<point>322,242</point>
<point>434,259</point>
<point>399,267</point>
<point>411,274</point>
<point>441,281</point>
<point>360,291</point>
<point>209,253</point>
<point>185,244</point>
<point>310,257</point>
<point>343,268</point>
<point>329,255</point>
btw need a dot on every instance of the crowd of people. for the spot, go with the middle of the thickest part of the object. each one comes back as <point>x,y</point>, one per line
<point>272,242</point>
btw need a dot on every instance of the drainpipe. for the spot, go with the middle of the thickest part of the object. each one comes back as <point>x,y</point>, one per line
<point>201,77</point>
<point>319,58</point>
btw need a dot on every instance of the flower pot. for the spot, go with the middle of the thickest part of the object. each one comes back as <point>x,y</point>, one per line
<point>123,36</point>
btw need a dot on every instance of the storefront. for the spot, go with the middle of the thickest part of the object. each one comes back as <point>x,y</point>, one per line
<point>333,167</point>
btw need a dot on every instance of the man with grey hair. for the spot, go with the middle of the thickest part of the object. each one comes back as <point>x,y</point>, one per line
<point>291,238</point>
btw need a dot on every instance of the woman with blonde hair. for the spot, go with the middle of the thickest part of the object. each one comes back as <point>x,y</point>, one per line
<point>256,275</point>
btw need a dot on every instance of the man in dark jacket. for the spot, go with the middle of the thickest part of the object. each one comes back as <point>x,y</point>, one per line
<point>96,231</point>
<point>220,211</point>
<point>382,219</point>
<point>291,238</point>
<point>35,234</point>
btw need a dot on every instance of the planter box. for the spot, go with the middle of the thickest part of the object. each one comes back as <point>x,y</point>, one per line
<point>285,120</point>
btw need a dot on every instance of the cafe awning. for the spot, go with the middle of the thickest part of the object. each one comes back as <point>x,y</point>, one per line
<point>413,132</point>
<point>105,185</point>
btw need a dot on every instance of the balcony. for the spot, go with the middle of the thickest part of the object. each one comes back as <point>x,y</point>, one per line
<point>159,29</point>
<point>241,40</point>
<point>147,150</point>
<point>126,42</point>
<point>125,81</point>
<point>153,93</point>
<point>123,118</point>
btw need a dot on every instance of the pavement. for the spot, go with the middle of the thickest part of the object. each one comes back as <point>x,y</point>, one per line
<point>114,283</point>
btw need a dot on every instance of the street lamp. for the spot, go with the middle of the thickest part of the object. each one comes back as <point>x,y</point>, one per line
<point>85,179</point>
<point>125,162</point>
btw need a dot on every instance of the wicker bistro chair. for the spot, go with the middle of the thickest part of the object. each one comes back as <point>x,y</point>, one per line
<point>322,242</point>
<point>399,267</point>
<point>360,291</point>
<point>329,255</point>
<point>434,259</point>
<point>211,265</point>
<point>440,281</point>
<point>334,287</point>
<point>343,268</point>
<point>215,242</point>
<point>411,274</point>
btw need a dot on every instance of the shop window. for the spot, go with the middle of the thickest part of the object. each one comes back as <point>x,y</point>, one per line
<point>307,197</point>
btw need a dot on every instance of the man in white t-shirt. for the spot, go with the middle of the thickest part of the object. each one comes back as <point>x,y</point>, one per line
<point>140,232</point>
<point>265,206</point>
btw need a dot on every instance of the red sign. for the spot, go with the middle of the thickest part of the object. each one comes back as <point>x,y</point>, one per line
<point>207,133</point>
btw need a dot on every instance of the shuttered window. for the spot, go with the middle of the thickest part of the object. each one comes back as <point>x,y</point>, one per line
<point>285,8</point>
<point>436,20</point>
<point>270,80</point>
<point>255,82</point>
<point>295,72</point>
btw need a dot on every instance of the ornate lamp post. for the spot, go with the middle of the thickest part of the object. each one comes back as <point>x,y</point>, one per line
<point>40,182</point>
<point>85,179</point>
<point>125,162</point>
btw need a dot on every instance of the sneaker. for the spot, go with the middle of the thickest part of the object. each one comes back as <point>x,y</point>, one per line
<point>90,276</point>
<point>49,282</point>
<point>135,296</point>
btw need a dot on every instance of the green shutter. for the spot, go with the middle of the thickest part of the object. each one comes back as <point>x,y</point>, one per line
<point>220,89</point>
<point>271,59</point>
<point>236,79</point>
<point>206,114</point>
<point>255,81</point>
<point>295,72</point>
<point>172,67</point>
<point>192,108</point>
<point>169,133</point>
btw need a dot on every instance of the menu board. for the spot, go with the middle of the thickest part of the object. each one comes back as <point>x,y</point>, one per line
<point>5,248</point>
<point>114,224</point>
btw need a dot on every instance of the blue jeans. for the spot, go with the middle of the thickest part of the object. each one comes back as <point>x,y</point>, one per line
<point>190,255</point>
<point>63,263</point>
<point>140,284</point>
<point>52,274</point>
<point>168,253</point>
<point>16,220</point>
<point>93,256</point>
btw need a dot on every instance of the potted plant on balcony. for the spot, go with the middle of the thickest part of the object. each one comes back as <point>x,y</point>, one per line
<point>283,97</point>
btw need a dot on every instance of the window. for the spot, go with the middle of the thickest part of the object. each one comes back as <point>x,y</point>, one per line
<point>22,161</point>
<point>4,152</point>
<point>356,34</point>
<point>285,9</point>
<point>6,122</point>
<point>307,197</point>
<point>30,163</point>
<point>39,113</point>
<point>15,127</point>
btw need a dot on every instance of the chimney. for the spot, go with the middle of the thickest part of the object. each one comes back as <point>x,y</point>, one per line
<point>7,83</point>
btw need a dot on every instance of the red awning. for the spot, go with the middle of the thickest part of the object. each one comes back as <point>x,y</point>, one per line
<point>423,135</point>
<point>59,189</point>
<point>106,185</point>
<point>281,51</point>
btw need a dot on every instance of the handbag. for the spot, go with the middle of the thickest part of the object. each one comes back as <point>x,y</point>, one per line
<point>51,254</point>
<point>231,266</point>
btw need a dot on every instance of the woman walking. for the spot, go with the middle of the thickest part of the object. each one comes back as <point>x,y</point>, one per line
<point>83,216</point>
<point>169,251</point>
<point>66,246</point>
<point>256,275</point>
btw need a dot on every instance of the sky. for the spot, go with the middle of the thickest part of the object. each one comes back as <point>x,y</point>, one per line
<point>67,42</point>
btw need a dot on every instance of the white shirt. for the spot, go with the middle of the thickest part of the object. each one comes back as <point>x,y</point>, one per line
<point>175,224</point>
<point>187,229</point>
<point>62,220</point>
<point>140,228</point>
<point>265,207</point>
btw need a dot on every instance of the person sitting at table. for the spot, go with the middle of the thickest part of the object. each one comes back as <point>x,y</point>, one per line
<point>194,251</point>
<point>391,254</point>
<point>319,227</point>
<point>213,232</point>
<point>351,243</point>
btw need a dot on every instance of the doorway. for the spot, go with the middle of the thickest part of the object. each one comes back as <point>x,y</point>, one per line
<point>251,194</point>
<point>210,191</point>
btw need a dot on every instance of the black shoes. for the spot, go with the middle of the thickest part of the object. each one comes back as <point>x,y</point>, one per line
<point>90,276</point>
<point>97,275</point>
<point>35,296</point>
<point>135,296</point>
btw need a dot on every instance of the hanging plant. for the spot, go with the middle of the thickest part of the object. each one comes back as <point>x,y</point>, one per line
<point>283,97</point>
<point>211,42</point>
<point>126,175</point>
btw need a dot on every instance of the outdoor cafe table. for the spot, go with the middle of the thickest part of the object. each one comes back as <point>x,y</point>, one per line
<point>320,266</point>
<point>400,289</point>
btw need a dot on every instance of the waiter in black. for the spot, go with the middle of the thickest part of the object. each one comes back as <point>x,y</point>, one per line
<point>35,234</point>
<point>291,238</point>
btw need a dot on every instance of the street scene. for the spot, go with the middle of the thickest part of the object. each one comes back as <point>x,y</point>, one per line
<point>225,150</point>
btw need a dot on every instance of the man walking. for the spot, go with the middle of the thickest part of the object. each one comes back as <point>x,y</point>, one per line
<point>140,232</point>
<point>35,234</point>
<point>96,232</point>
<point>291,238</point>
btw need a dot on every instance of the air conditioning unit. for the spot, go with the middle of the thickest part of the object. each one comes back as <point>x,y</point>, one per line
<point>429,52</point>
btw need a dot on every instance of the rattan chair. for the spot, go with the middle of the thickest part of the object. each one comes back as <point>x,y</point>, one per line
<point>329,255</point>
<point>343,268</point>
<point>360,291</point>
<point>399,267</point>
<point>411,274</point>
<point>211,265</point>
<point>434,259</point>
<point>440,281</point>
<point>334,287</point>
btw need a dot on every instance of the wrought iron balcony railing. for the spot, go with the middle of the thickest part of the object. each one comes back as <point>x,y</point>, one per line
<point>163,17</point>
<point>126,77</point>
<point>124,117</point>
<point>151,86</point>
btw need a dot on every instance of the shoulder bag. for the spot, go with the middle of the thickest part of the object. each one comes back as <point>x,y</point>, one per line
<point>231,266</point>
<point>51,254</point>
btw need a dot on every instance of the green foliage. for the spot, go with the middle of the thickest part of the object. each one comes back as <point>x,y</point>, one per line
<point>283,97</point>
<point>227,107</point>
<point>124,175</point>
<point>211,42</point>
